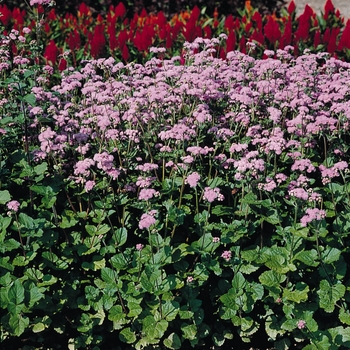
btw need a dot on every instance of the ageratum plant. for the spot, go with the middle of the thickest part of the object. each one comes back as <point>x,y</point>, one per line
<point>172,205</point>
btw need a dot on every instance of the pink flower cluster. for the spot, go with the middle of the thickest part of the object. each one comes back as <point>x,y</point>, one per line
<point>192,179</point>
<point>311,215</point>
<point>211,194</point>
<point>147,220</point>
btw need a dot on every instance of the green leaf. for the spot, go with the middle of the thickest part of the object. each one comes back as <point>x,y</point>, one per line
<point>154,329</point>
<point>238,283</point>
<point>330,255</point>
<point>4,263</point>
<point>4,196</point>
<point>344,316</point>
<point>271,278</point>
<point>329,295</point>
<point>109,276</point>
<point>116,313</point>
<point>35,295</point>
<point>134,309</point>
<point>189,331</point>
<point>16,293</point>
<point>26,221</point>
<point>38,327</point>
<point>121,236</point>
<point>18,324</point>
<point>299,294</point>
<point>308,257</point>
<point>170,309</point>
<point>30,98</point>
<point>172,342</point>
<point>119,262</point>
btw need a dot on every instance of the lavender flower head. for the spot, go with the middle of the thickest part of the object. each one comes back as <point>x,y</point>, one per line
<point>13,205</point>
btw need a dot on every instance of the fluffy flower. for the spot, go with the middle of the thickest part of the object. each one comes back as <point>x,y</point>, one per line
<point>301,324</point>
<point>147,220</point>
<point>227,255</point>
<point>13,205</point>
<point>311,215</point>
<point>139,246</point>
<point>192,179</point>
<point>210,194</point>
<point>147,193</point>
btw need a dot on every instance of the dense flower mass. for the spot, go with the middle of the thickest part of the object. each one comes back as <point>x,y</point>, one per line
<point>233,173</point>
<point>13,205</point>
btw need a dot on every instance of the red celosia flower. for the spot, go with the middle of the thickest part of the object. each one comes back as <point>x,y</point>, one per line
<point>161,20</point>
<point>51,52</point>
<point>120,10</point>
<point>302,32</point>
<point>194,14</point>
<point>291,7</point>
<point>328,8</point>
<point>98,41</point>
<point>18,18</point>
<point>242,45</point>
<point>229,22</point>
<point>231,42</point>
<point>257,36</point>
<point>317,38</point>
<point>123,37</point>
<point>84,10</point>
<point>207,32</point>
<point>272,30</point>
<point>344,42</point>
<point>125,53</point>
<point>52,15</point>
<point>73,40</point>
<point>286,38</point>
<point>258,20</point>
<point>330,37</point>
<point>6,15</point>
<point>62,64</point>
<point>144,39</point>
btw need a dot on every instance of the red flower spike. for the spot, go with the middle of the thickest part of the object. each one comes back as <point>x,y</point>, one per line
<point>242,45</point>
<point>84,10</point>
<point>97,42</point>
<point>143,13</point>
<point>169,41</point>
<point>51,52</point>
<point>62,64</point>
<point>231,42</point>
<point>120,10</point>
<point>125,53</point>
<point>291,7</point>
<point>272,30</point>
<point>332,43</point>
<point>328,8</point>
<point>258,20</point>
<point>122,38</point>
<point>229,23</point>
<point>207,32</point>
<point>286,38</point>
<point>6,15</point>
<point>52,16</point>
<point>258,36</point>
<point>195,14</point>
<point>317,38</point>
<point>344,42</point>
<point>73,40</point>
<point>161,19</point>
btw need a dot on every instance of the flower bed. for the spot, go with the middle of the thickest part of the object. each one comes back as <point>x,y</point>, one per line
<point>86,36</point>
<point>191,202</point>
<point>179,205</point>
